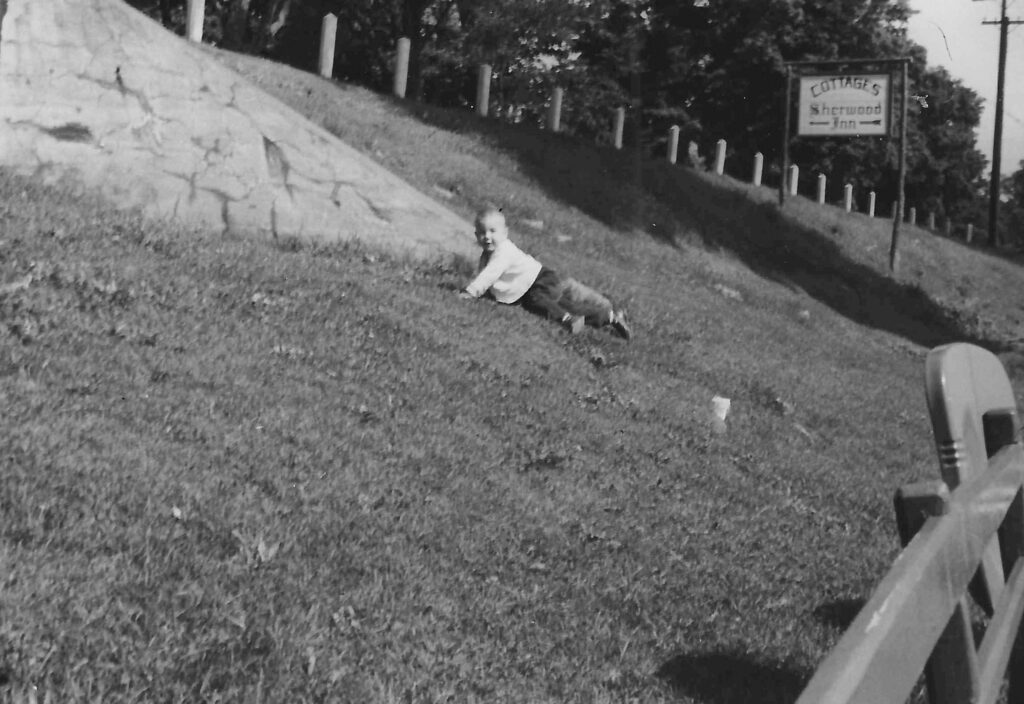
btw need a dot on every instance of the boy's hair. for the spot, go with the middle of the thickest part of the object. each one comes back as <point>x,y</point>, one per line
<point>486,212</point>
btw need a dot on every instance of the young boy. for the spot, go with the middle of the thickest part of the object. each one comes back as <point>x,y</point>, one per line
<point>511,275</point>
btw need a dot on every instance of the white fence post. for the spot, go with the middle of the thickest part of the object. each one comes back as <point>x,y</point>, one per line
<point>931,221</point>
<point>673,143</point>
<point>620,124</point>
<point>947,227</point>
<point>970,232</point>
<point>483,89</point>
<point>871,204</point>
<point>328,34</point>
<point>794,179</point>
<point>848,197</point>
<point>196,15</point>
<point>720,157</point>
<point>401,67</point>
<point>821,189</point>
<point>758,168</point>
<point>912,217</point>
<point>555,111</point>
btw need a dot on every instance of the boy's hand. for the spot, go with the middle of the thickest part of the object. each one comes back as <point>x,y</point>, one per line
<point>466,295</point>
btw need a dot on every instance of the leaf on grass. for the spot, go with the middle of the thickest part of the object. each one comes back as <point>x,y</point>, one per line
<point>266,300</point>
<point>17,285</point>
<point>612,677</point>
<point>345,618</point>
<point>367,416</point>
<point>369,503</point>
<point>805,432</point>
<point>237,620</point>
<point>729,293</point>
<point>779,603</point>
<point>291,352</point>
<point>264,552</point>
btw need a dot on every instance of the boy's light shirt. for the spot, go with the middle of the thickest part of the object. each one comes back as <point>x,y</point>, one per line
<point>508,273</point>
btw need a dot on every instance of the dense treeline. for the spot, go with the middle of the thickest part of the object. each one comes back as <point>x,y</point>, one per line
<point>713,67</point>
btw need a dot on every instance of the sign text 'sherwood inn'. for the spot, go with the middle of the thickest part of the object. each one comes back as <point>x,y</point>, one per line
<point>844,105</point>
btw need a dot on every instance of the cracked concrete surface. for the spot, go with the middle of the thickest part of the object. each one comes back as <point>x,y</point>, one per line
<point>96,92</point>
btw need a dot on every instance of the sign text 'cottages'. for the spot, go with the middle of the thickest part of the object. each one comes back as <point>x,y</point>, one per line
<point>844,105</point>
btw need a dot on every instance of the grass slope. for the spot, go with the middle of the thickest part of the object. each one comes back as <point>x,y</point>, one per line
<point>275,471</point>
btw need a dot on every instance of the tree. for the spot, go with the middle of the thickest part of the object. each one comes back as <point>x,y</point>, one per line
<point>946,163</point>
<point>528,44</point>
<point>715,68</point>
<point>170,13</point>
<point>240,25</point>
<point>448,40</point>
<point>1012,212</point>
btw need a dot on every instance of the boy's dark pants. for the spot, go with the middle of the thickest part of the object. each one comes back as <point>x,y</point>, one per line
<point>553,296</point>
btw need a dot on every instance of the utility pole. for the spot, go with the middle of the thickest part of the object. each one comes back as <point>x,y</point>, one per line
<point>997,139</point>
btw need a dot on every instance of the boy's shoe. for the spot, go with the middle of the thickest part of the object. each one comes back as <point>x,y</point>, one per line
<point>575,324</point>
<point>618,322</point>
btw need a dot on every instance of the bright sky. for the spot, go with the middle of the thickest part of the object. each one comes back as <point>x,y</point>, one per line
<point>953,33</point>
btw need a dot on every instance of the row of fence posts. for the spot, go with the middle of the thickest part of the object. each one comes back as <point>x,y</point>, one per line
<point>483,89</point>
<point>328,35</point>
<point>794,177</point>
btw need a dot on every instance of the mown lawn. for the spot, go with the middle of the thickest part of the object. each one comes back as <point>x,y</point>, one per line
<point>246,471</point>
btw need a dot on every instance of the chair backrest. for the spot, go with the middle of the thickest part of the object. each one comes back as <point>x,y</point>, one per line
<point>966,387</point>
<point>970,398</point>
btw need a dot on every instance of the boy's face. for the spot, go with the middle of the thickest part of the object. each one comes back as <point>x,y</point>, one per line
<point>490,230</point>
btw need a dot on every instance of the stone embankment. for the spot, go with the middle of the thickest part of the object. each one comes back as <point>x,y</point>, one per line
<point>97,93</point>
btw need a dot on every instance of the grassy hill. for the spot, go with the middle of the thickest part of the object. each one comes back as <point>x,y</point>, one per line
<point>240,470</point>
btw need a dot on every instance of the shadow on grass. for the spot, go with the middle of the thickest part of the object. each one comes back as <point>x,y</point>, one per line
<point>779,247</point>
<point>730,678</point>
<point>606,184</point>
<point>839,613</point>
<point>675,203</point>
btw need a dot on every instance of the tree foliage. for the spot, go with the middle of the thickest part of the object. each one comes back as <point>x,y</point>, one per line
<point>239,25</point>
<point>1012,219</point>
<point>715,68</point>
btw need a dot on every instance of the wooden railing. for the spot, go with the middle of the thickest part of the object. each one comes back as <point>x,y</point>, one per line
<point>963,537</point>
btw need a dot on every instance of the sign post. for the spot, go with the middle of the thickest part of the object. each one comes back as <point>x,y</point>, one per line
<point>901,195</point>
<point>836,100</point>
<point>785,136</point>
